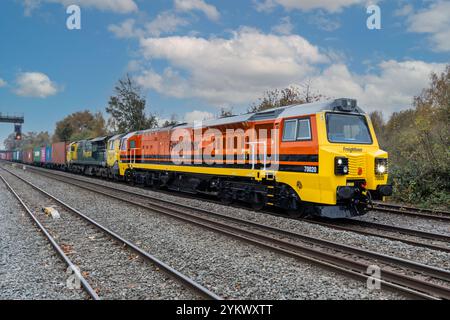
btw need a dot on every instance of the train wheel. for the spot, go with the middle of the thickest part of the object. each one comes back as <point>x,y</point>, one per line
<point>226,200</point>
<point>297,213</point>
<point>258,202</point>
<point>225,197</point>
<point>129,177</point>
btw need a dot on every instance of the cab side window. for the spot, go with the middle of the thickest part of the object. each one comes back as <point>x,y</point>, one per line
<point>304,129</point>
<point>297,130</point>
<point>289,130</point>
<point>132,144</point>
<point>123,145</point>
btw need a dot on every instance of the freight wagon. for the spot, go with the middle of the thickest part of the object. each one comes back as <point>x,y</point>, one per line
<point>28,156</point>
<point>17,156</point>
<point>58,155</point>
<point>37,155</point>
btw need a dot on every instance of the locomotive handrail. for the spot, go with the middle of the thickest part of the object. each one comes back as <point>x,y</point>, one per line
<point>253,145</point>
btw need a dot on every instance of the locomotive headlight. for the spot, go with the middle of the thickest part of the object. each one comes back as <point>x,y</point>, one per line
<point>381,169</point>
<point>381,166</point>
<point>341,166</point>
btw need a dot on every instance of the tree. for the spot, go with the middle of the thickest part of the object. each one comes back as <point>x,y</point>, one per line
<point>378,125</point>
<point>226,112</point>
<point>80,125</point>
<point>418,142</point>
<point>289,96</point>
<point>127,108</point>
<point>172,122</point>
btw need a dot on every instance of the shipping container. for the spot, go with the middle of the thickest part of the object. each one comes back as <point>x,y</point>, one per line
<point>59,153</point>
<point>28,156</point>
<point>37,155</point>
<point>9,155</point>
<point>42,161</point>
<point>48,155</point>
<point>17,156</point>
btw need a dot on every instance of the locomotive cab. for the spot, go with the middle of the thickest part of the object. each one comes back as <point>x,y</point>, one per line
<point>330,159</point>
<point>113,156</point>
<point>355,167</point>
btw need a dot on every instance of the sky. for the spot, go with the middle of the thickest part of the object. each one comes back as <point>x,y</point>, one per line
<point>194,57</point>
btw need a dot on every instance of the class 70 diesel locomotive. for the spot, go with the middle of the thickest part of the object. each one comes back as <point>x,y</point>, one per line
<point>319,159</point>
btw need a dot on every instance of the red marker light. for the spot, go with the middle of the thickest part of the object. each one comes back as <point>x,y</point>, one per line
<point>360,171</point>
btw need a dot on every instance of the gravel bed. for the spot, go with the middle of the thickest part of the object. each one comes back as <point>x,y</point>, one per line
<point>30,268</point>
<point>112,270</point>
<point>230,268</point>
<point>396,248</point>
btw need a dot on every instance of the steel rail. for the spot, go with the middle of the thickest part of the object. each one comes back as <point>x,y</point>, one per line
<point>186,281</point>
<point>432,271</point>
<point>335,225</point>
<point>412,232</point>
<point>405,207</point>
<point>432,215</point>
<point>87,287</point>
<point>394,280</point>
<point>373,226</point>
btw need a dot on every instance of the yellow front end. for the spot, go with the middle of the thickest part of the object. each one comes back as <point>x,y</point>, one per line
<point>113,156</point>
<point>361,164</point>
<point>72,153</point>
<point>113,152</point>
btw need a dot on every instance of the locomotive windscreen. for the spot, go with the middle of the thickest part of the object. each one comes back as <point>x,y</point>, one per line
<point>348,128</point>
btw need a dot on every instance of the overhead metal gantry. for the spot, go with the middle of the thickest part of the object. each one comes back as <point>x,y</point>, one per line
<point>16,119</point>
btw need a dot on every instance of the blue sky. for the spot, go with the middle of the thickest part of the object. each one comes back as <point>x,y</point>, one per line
<point>193,57</point>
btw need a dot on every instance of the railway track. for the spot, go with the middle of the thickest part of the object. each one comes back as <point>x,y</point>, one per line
<point>413,212</point>
<point>85,284</point>
<point>413,237</point>
<point>99,233</point>
<point>408,277</point>
<point>409,236</point>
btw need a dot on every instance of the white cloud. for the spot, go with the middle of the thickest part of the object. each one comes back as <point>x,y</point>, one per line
<point>434,21</point>
<point>117,6</point>
<point>189,5</point>
<point>164,23</point>
<point>2,83</point>
<point>127,29</point>
<point>284,27</point>
<point>35,84</point>
<point>324,21</point>
<point>392,89</point>
<point>228,70</point>
<point>405,10</point>
<point>238,70</point>
<point>197,115</point>
<point>306,5</point>
<point>264,5</point>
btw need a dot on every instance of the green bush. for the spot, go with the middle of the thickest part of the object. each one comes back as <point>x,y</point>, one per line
<point>418,142</point>
<point>421,185</point>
